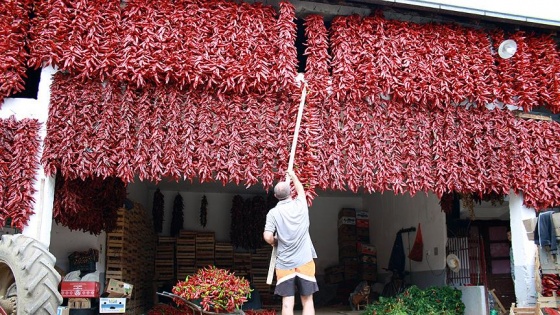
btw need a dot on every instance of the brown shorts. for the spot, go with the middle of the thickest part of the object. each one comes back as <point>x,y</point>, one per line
<point>302,278</point>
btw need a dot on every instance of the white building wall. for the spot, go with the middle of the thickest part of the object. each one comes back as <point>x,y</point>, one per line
<point>389,213</point>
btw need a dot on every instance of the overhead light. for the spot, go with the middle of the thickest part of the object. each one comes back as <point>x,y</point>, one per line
<point>507,48</point>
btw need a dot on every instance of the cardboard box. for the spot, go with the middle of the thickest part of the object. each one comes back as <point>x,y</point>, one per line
<point>368,260</point>
<point>334,269</point>
<point>531,223</point>
<point>62,310</point>
<point>334,278</point>
<point>79,289</point>
<point>362,215</point>
<point>112,305</point>
<point>79,303</point>
<point>361,223</point>
<point>346,221</point>
<point>362,235</point>
<point>556,223</point>
<point>347,212</point>
<point>118,289</point>
<point>367,249</point>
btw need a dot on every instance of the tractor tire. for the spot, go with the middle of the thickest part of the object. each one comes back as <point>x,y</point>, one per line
<point>27,263</point>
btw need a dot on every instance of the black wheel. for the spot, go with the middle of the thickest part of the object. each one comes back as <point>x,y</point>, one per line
<point>28,280</point>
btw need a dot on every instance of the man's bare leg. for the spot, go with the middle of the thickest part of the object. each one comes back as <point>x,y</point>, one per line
<point>308,306</point>
<point>288,305</point>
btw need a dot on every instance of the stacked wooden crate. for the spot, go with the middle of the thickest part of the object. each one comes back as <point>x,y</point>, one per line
<point>242,264</point>
<point>367,253</point>
<point>224,256</point>
<point>368,262</point>
<point>260,261</point>
<point>547,268</point>
<point>130,256</point>
<point>165,260</point>
<point>185,254</point>
<point>362,226</point>
<point>204,251</point>
<point>347,253</point>
<point>347,243</point>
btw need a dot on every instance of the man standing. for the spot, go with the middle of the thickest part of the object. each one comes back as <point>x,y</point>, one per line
<point>295,267</point>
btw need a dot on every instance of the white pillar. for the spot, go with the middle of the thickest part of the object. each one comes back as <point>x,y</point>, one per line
<point>524,252</point>
<point>40,223</point>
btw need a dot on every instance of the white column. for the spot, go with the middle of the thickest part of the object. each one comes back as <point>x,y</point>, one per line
<point>524,252</point>
<point>40,223</point>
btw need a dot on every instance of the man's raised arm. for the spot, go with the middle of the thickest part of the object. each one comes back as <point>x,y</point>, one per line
<point>297,184</point>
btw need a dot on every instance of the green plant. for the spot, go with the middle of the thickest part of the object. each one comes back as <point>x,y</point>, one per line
<point>217,290</point>
<point>433,300</point>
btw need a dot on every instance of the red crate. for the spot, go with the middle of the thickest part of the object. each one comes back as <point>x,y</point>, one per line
<point>79,289</point>
<point>362,223</point>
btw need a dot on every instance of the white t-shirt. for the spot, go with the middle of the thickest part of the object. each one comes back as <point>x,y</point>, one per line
<point>290,220</point>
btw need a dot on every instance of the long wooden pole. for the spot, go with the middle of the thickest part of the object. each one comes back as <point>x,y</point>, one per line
<point>272,264</point>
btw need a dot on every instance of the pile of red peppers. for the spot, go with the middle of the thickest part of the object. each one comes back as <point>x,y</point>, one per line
<point>19,162</point>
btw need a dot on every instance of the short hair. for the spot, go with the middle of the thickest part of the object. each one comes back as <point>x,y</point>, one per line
<point>282,190</point>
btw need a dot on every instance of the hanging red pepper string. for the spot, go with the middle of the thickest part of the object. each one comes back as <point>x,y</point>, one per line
<point>203,211</point>
<point>19,163</point>
<point>215,45</point>
<point>14,26</point>
<point>75,208</point>
<point>177,216</point>
<point>158,210</point>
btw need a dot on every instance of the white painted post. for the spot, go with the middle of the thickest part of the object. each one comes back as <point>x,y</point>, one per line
<point>524,251</point>
<point>40,223</point>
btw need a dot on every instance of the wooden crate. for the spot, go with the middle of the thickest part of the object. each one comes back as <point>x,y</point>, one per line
<point>185,254</point>
<point>242,264</point>
<point>130,255</point>
<point>524,310</point>
<point>205,249</point>
<point>548,301</point>
<point>224,255</point>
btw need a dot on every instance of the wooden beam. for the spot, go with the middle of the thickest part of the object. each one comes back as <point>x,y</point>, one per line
<point>535,116</point>
<point>502,308</point>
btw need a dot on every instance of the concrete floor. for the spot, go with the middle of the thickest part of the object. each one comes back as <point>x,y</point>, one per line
<point>331,310</point>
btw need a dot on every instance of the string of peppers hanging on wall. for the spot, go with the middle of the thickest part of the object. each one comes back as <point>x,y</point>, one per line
<point>157,211</point>
<point>236,225</point>
<point>203,211</point>
<point>248,217</point>
<point>177,217</point>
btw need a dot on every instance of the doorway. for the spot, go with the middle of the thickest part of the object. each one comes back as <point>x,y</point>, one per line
<point>497,247</point>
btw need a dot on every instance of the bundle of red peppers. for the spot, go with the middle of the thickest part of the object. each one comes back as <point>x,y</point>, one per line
<point>19,163</point>
<point>550,285</point>
<point>14,27</point>
<point>89,205</point>
<point>208,45</point>
<point>438,66</point>
<point>248,216</point>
